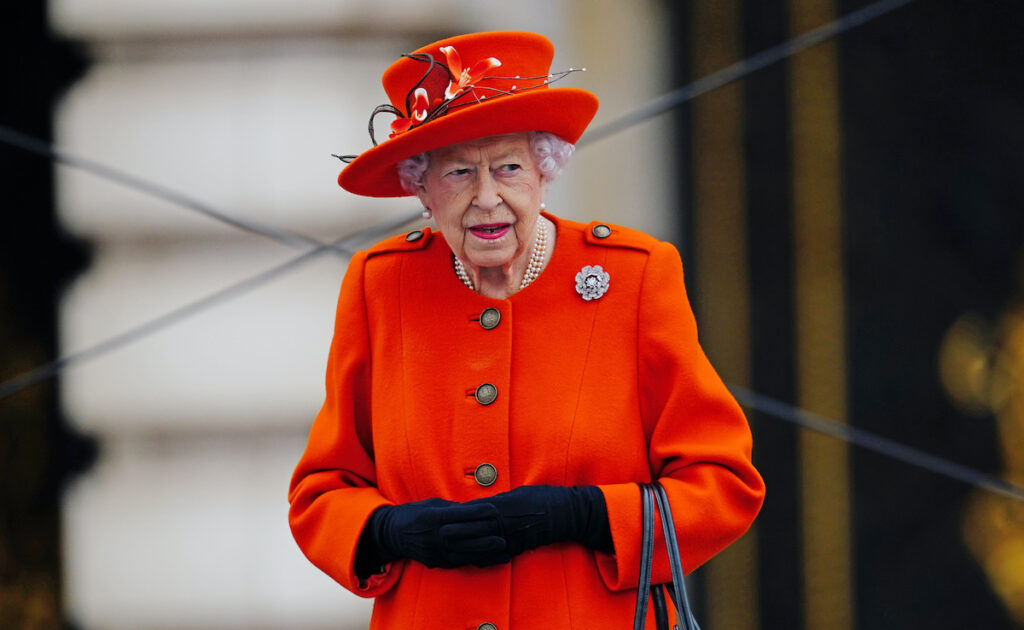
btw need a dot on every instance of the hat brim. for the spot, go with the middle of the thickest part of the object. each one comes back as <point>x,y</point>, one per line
<point>565,112</point>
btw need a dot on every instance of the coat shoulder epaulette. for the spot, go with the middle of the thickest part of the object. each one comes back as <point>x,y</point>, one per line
<point>611,235</point>
<point>412,241</point>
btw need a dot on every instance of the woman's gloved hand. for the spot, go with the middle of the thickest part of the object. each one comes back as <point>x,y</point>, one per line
<point>536,515</point>
<point>437,533</point>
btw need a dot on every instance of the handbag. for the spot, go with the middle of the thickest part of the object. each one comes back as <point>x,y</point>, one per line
<point>654,497</point>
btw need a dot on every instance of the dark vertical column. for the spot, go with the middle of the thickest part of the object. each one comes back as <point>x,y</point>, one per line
<point>769,200</point>
<point>679,59</point>
<point>38,452</point>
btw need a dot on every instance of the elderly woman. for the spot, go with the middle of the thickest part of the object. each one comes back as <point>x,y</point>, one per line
<point>496,388</point>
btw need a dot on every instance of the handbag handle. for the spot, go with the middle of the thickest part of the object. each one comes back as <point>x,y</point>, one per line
<point>653,497</point>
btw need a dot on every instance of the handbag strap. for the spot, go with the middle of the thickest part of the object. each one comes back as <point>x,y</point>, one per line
<point>643,590</point>
<point>682,603</point>
<point>653,496</point>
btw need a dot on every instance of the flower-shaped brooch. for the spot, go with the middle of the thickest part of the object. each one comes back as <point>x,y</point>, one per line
<point>592,282</point>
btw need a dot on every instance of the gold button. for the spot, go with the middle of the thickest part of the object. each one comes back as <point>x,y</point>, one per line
<point>487,626</point>
<point>485,475</point>
<point>489,318</point>
<point>414,236</point>
<point>601,231</point>
<point>486,393</point>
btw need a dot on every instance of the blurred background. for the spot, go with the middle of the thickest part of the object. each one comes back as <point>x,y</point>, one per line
<point>851,221</point>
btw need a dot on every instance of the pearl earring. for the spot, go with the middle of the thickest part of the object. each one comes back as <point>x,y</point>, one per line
<point>427,213</point>
<point>543,205</point>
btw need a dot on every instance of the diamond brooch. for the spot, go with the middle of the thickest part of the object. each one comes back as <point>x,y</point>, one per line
<point>592,282</point>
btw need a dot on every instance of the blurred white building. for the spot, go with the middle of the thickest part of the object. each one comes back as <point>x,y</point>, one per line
<point>239,104</point>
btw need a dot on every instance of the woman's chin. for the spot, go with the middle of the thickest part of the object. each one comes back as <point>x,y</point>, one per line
<point>491,259</point>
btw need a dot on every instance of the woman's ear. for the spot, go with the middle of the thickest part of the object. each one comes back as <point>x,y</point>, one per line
<point>421,194</point>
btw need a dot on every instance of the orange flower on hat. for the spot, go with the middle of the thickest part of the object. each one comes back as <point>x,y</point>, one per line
<point>420,109</point>
<point>462,79</point>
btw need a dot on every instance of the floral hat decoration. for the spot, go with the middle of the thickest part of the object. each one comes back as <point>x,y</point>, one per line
<point>463,88</point>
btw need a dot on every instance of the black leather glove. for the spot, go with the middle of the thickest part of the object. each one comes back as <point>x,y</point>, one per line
<point>435,532</point>
<point>532,516</point>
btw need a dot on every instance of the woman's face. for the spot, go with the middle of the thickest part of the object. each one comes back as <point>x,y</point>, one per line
<point>485,195</point>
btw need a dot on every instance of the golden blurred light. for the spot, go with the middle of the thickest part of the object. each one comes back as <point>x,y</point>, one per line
<point>965,360</point>
<point>1005,565</point>
<point>994,532</point>
<point>981,368</point>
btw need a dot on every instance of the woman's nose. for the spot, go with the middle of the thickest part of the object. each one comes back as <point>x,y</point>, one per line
<point>487,197</point>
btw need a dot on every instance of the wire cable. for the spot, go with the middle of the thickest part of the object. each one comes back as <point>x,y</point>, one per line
<point>48,370</point>
<point>313,249</point>
<point>876,443</point>
<point>158,324</point>
<point>39,147</point>
<point>740,69</point>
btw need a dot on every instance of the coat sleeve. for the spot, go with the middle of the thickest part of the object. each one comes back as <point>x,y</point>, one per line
<point>699,440</point>
<point>333,490</point>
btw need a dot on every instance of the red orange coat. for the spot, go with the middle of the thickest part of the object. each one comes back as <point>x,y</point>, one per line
<point>605,392</point>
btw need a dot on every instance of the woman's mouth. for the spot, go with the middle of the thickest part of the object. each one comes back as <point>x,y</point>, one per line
<point>491,231</point>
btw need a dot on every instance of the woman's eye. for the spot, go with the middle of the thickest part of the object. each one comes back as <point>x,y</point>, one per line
<point>458,172</point>
<point>510,167</point>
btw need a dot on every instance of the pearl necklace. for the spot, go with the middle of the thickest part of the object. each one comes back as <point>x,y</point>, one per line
<point>533,268</point>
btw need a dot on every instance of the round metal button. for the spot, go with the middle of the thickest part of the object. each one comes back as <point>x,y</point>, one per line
<point>487,626</point>
<point>486,394</point>
<point>601,231</point>
<point>414,236</point>
<point>489,318</point>
<point>485,475</point>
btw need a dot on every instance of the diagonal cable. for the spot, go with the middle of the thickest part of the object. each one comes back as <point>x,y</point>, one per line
<point>740,69</point>
<point>876,443</point>
<point>313,249</point>
<point>39,147</point>
<point>157,324</point>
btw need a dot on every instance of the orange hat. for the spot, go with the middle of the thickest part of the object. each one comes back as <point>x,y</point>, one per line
<point>463,88</point>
